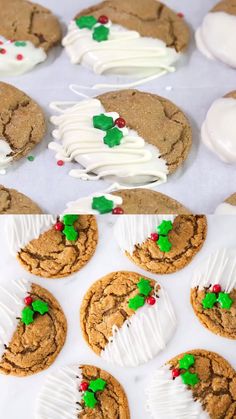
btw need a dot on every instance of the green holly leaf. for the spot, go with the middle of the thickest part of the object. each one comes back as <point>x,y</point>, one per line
<point>209,300</point>
<point>27,316</point>
<point>97,385</point>
<point>164,244</point>
<point>225,300</point>
<point>70,233</point>
<point>186,361</point>
<point>136,302</point>
<point>165,227</point>
<point>89,399</point>
<point>86,22</point>
<point>70,219</point>
<point>101,33</point>
<point>103,122</point>
<point>20,43</point>
<point>113,137</point>
<point>40,306</point>
<point>102,204</point>
<point>144,286</point>
<point>190,379</point>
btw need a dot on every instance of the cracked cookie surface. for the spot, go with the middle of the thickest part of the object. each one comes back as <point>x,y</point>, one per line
<point>227,6</point>
<point>231,200</point>
<point>33,348</point>
<point>14,202</point>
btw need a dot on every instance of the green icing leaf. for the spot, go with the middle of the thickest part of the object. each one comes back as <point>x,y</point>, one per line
<point>103,122</point>
<point>186,361</point>
<point>113,137</point>
<point>101,33</point>
<point>27,316</point>
<point>102,204</point>
<point>86,22</point>
<point>20,43</point>
<point>70,219</point>
<point>225,300</point>
<point>97,385</point>
<point>70,233</point>
<point>144,287</point>
<point>136,302</point>
<point>89,399</point>
<point>190,379</point>
<point>164,244</point>
<point>165,227</point>
<point>40,306</point>
<point>209,300</point>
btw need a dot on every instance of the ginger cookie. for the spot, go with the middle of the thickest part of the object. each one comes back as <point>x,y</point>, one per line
<point>216,36</point>
<point>135,38</point>
<point>128,137</point>
<point>82,391</point>
<point>218,130</point>
<point>22,124</point>
<point>33,329</point>
<point>14,202</point>
<point>196,384</point>
<point>127,319</point>
<point>28,31</point>
<point>213,293</point>
<point>228,206</point>
<point>51,246</point>
<point>161,244</point>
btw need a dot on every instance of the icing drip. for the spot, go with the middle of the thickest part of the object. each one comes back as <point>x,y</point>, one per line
<point>11,306</point>
<point>225,208</point>
<point>143,335</point>
<point>22,229</point>
<point>171,399</point>
<point>84,205</point>
<point>5,150</point>
<point>219,268</point>
<point>132,230</point>
<point>60,397</point>
<point>134,161</point>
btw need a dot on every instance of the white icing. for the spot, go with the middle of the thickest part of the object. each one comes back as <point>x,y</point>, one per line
<point>5,150</point>
<point>21,229</point>
<point>84,205</point>
<point>171,399</point>
<point>10,66</point>
<point>125,52</point>
<point>60,397</point>
<point>225,208</point>
<point>143,335</point>
<point>132,230</point>
<point>132,162</point>
<point>219,129</point>
<point>11,306</point>
<point>219,268</point>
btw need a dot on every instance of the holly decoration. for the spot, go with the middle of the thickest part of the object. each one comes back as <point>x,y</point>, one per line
<point>161,237</point>
<point>217,297</point>
<point>102,122</point>
<point>40,306</point>
<point>102,204</point>
<point>66,226</point>
<point>145,289</point>
<point>100,31</point>
<point>106,123</point>
<point>113,137</point>
<point>90,389</point>
<point>27,315</point>
<point>188,378</point>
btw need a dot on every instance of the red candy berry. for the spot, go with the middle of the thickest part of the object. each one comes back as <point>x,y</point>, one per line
<point>2,51</point>
<point>118,211</point>
<point>1,43</point>
<point>28,300</point>
<point>216,288</point>
<point>180,14</point>
<point>83,386</point>
<point>103,20</point>
<point>60,163</point>
<point>120,122</point>
<point>19,57</point>
<point>151,300</point>
<point>175,372</point>
<point>154,237</point>
<point>59,226</point>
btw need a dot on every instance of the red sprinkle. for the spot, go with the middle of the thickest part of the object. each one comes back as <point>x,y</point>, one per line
<point>180,14</point>
<point>28,300</point>
<point>151,300</point>
<point>175,372</point>
<point>2,51</point>
<point>83,386</point>
<point>1,43</point>
<point>60,163</point>
<point>59,226</point>
<point>117,211</point>
<point>216,288</point>
<point>103,20</point>
<point>19,57</point>
<point>154,237</point>
<point>120,122</point>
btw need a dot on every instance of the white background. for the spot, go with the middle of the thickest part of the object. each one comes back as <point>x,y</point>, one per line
<point>203,183</point>
<point>18,395</point>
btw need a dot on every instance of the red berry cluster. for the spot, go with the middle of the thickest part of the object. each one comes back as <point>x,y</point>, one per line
<point>120,122</point>
<point>59,226</point>
<point>84,386</point>
<point>175,372</point>
<point>28,300</point>
<point>154,237</point>
<point>216,288</point>
<point>118,211</point>
<point>151,300</point>
<point>103,20</point>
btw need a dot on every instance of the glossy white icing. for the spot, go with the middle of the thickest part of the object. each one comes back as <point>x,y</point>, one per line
<point>225,208</point>
<point>5,150</point>
<point>84,205</point>
<point>143,335</point>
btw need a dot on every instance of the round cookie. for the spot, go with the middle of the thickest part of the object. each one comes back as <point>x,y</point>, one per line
<point>51,247</point>
<point>128,38</point>
<point>161,244</point>
<point>215,37</point>
<point>28,31</point>
<point>33,329</point>
<point>196,384</point>
<point>213,293</point>
<point>155,139</point>
<point>218,130</point>
<point>82,391</point>
<point>127,319</point>
<point>227,207</point>
<point>22,124</point>
<point>14,202</point>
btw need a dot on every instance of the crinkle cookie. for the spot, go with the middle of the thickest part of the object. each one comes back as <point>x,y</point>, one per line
<point>14,202</point>
<point>228,206</point>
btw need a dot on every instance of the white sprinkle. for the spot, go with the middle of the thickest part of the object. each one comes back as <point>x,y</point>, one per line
<point>169,88</point>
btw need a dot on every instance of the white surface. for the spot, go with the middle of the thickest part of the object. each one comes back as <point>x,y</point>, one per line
<point>205,180</point>
<point>18,395</point>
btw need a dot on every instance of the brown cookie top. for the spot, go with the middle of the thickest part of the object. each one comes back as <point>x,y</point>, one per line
<point>150,18</point>
<point>34,347</point>
<point>22,20</point>
<point>231,94</point>
<point>14,202</point>
<point>156,119</point>
<point>232,199</point>
<point>227,6</point>
<point>216,390</point>
<point>22,122</point>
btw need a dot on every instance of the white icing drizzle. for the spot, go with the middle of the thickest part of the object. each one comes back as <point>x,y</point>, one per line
<point>132,230</point>
<point>225,208</point>
<point>84,205</point>
<point>60,397</point>
<point>171,399</point>
<point>11,306</point>
<point>21,229</point>
<point>5,150</point>
<point>219,268</point>
<point>10,66</point>
<point>143,335</point>
<point>132,162</point>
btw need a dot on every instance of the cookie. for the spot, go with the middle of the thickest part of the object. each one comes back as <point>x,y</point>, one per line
<point>228,206</point>
<point>161,244</point>
<point>135,38</point>
<point>33,329</point>
<point>196,384</point>
<point>50,246</point>
<point>28,31</point>
<point>127,319</point>
<point>14,202</point>
<point>218,130</point>
<point>127,137</point>
<point>82,391</point>
<point>215,37</point>
<point>22,124</point>
<point>213,293</point>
